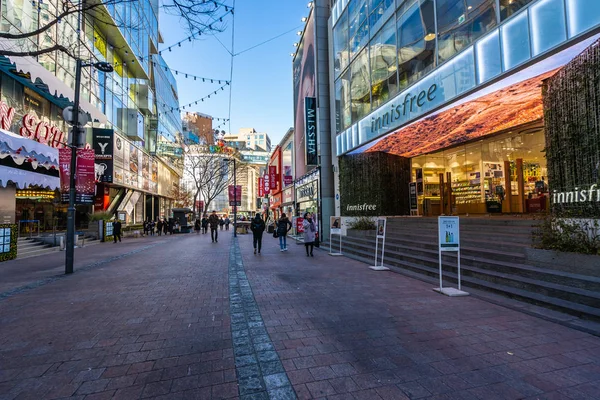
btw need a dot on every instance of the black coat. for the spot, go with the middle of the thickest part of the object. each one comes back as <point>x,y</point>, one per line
<point>117,228</point>
<point>257,226</point>
<point>283,226</point>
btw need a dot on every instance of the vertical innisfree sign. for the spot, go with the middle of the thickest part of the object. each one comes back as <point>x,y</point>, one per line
<point>310,115</point>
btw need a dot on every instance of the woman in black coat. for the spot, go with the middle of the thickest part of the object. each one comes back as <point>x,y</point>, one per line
<point>283,227</point>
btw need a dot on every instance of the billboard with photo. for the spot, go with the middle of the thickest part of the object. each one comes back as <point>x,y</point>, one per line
<point>304,77</point>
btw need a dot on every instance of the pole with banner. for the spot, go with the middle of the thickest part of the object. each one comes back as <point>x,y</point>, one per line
<point>449,240</point>
<point>335,224</point>
<point>380,234</point>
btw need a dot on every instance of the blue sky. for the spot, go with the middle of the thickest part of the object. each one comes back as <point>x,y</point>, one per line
<point>262,77</point>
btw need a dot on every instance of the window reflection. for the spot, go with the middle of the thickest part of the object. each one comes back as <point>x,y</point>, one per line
<point>509,7</point>
<point>360,87</point>
<point>384,65</point>
<point>460,22</point>
<point>358,25</point>
<point>340,44</point>
<point>416,40</point>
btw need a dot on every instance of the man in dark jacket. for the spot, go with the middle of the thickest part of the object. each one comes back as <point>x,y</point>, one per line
<point>257,226</point>
<point>117,230</point>
<point>213,221</point>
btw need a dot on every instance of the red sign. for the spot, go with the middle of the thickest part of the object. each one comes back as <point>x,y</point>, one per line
<point>235,195</point>
<point>261,187</point>
<point>102,198</point>
<point>299,227</point>
<point>31,128</point>
<point>267,187</point>
<point>85,174</point>
<point>287,180</point>
<point>200,205</point>
<point>272,177</point>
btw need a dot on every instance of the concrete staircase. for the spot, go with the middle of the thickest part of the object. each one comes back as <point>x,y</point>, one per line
<point>27,247</point>
<point>33,247</point>
<point>493,260</point>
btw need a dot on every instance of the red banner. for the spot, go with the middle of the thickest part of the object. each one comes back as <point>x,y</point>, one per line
<point>267,187</point>
<point>235,195</point>
<point>299,227</point>
<point>261,187</point>
<point>85,175</point>
<point>272,177</point>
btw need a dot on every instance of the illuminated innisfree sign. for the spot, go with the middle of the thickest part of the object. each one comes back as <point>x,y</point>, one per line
<point>578,195</point>
<point>411,102</point>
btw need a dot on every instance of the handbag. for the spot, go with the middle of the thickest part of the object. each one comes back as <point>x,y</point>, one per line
<point>275,234</point>
<point>316,242</point>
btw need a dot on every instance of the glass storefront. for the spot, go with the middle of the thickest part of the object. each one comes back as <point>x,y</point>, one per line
<point>480,171</point>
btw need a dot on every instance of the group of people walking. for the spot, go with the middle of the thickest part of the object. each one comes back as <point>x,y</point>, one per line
<point>280,230</point>
<point>213,221</point>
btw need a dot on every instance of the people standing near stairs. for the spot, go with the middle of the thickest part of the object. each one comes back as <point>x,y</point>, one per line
<point>117,230</point>
<point>283,227</point>
<point>257,226</point>
<point>309,233</point>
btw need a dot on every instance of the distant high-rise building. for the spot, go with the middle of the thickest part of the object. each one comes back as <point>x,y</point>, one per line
<point>254,140</point>
<point>198,128</point>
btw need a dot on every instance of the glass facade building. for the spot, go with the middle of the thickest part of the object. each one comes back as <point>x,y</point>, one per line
<point>385,51</point>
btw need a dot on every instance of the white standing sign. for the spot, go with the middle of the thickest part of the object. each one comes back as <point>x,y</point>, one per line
<point>449,240</point>
<point>380,234</point>
<point>335,224</point>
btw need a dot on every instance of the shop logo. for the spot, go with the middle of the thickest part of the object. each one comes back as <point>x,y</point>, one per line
<point>31,128</point>
<point>361,207</point>
<point>577,196</point>
<point>308,191</point>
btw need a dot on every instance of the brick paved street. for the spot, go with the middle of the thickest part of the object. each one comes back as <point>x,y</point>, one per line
<point>181,317</point>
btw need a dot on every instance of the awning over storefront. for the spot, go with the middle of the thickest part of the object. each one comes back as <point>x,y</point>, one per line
<point>32,74</point>
<point>26,163</point>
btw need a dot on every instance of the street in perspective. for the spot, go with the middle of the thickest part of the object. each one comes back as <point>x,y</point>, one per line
<point>332,199</point>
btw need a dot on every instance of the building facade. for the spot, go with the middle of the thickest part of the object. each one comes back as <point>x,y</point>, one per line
<point>455,88</point>
<point>253,140</point>
<point>135,105</point>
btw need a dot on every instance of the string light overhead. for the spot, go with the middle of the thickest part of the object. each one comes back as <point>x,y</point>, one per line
<point>190,76</point>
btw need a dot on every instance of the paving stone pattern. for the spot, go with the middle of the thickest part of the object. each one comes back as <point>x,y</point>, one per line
<point>162,323</point>
<point>259,370</point>
<point>154,324</point>
<point>344,331</point>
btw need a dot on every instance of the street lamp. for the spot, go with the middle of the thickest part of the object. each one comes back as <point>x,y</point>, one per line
<point>76,120</point>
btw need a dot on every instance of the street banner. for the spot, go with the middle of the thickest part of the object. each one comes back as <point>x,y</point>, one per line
<point>235,195</point>
<point>104,154</point>
<point>85,179</point>
<point>299,226</point>
<point>272,177</point>
<point>85,185</point>
<point>267,187</point>
<point>261,187</point>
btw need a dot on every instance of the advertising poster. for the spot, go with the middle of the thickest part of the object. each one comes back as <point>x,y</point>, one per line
<point>108,231</point>
<point>235,195</point>
<point>381,228</point>
<point>145,172</point>
<point>8,242</point>
<point>261,187</point>
<point>85,182</point>
<point>299,227</point>
<point>64,162</point>
<point>449,233</point>
<point>272,177</point>
<point>336,225</point>
<point>412,192</point>
<point>134,166</point>
<point>103,148</point>
<point>303,70</point>
<point>85,177</point>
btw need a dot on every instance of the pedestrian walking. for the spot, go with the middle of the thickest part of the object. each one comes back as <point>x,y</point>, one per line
<point>221,223</point>
<point>197,226</point>
<point>204,224</point>
<point>309,233</point>
<point>283,227</point>
<point>213,221</point>
<point>170,226</point>
<point>257,226</point>
<point>117,230</point>
<point>152,226</point>
<point>159,227</point>
<point>227,222</point>
<point>165,226</point>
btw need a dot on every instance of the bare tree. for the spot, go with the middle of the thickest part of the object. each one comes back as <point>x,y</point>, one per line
<point>197,18</point>
<point>212,173</point>
<point>182,197</point>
